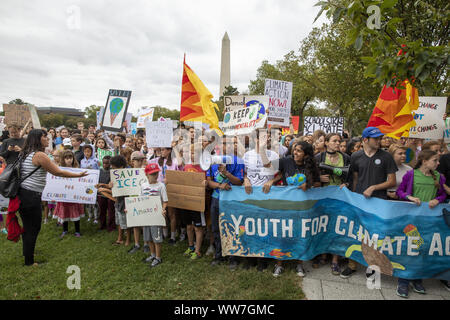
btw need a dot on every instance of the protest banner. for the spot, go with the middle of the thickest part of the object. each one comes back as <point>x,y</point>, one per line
<point>127,182</point>
<point>145,114</point>
<point>327,124</point>
<point>280,96</point>
<point>244,114</point>
<point>428,117</point>
<point>74,190</point>
<point>404,240</point>
<point>159,133</point>
<point>115,110</point>
<point>18,114</point>
<point>144,211</point>
<point>186,190</point>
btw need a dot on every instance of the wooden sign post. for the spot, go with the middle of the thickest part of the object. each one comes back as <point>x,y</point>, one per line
<point>185,190</point>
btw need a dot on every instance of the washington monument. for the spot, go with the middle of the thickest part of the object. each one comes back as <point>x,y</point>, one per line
<point>225,64</point>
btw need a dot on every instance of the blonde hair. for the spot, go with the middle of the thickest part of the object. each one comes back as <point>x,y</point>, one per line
<point>394,147</point>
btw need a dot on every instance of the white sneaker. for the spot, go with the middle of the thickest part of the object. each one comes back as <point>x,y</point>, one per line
<point>95,222</point>
<point>89,219</point>
<point>300,270</point>
<point>45,221</point>
<point>277,271</point>
<point>182,236</point>
<point>210,251</point>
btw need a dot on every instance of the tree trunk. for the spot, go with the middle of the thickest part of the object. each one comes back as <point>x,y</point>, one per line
<point>300,115</point>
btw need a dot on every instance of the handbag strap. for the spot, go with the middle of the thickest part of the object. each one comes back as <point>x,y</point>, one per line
<point>28,175</point>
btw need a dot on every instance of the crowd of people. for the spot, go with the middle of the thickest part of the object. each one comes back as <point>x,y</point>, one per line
<point>377,166</point>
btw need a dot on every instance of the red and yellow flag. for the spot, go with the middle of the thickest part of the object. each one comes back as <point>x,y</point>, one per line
<point>393,112</point>
<point>196,104</point>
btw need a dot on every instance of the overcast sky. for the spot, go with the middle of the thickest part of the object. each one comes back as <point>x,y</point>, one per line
<point>69,53</point>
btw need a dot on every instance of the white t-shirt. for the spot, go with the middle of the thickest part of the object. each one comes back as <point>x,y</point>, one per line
<point>402,170</point>
<point>256,172</point>
<point>154,189</point>
<point>283,150</point>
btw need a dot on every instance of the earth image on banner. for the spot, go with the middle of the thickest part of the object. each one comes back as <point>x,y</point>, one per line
<point>256,106</point>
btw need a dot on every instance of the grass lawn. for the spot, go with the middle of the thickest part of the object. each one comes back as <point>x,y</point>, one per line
<point>109,272</point>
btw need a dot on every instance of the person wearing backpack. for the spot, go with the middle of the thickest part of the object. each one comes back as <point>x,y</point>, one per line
<point>35,160</point>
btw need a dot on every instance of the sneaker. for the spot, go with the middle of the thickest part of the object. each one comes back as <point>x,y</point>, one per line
<point>149,259</point>
<point>300,271</point>
<point>188,252</point>
<point>335,270</point>
<point>89,219</point>
<point>233,265</point>
<point>195,256</point>
<point>134,249</point>
<point>446,284</point>
<point>210,251</point>
<point>277,271</point>
<point>155,262</point>
<point>347,273</point>
<point>146,249</point>
<point>77,234</point>
<point>4,231</point>
<point>172,242</point>
<point>95,222</point>
<point>63,234</point>
<point>45,221</point>
<point>402,290</point>
<point>182,236</point>
<point>418,287</point>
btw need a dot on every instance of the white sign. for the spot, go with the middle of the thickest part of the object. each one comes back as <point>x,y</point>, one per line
<point>159,133</point>
<point>100,117</point>
<point>115,109</point>
<point>2,123</point>
<point>144,211</point>
<point>327,124</point>
<point>74,190</point>
<point>145,114</point>
<point>280,96</point>
<point>127,182</point>
<point>428,117</point>
<point>244,114</point>
<point>447,130</point>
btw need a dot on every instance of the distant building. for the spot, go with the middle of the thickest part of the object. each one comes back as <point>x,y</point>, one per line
<point>66,111</point>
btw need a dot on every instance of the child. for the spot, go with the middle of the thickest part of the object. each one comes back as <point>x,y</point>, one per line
<point>90,162</point>
<point>153,234</point>
<point>106,205</point>
<point>102,150</point>
<point>137,161</point>
<point>423,184</point>
<point>66,211</point>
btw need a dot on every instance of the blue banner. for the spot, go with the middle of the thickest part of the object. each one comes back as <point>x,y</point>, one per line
<point>400,238</point>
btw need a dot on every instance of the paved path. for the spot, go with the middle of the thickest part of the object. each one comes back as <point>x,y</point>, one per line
<point>320,284</point>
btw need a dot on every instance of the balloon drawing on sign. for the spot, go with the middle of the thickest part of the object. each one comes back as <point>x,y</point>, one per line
<point>115,106</point>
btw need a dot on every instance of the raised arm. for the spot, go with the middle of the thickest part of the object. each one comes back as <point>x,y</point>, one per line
<point>41,159</point>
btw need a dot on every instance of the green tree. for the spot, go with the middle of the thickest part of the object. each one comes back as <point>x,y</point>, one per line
<point>91,112</point>
<point>17,101</point>
<point>229,91</point>
<point>417,27</point>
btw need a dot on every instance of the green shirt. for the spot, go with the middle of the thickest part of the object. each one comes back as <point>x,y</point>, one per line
<point>423,186</point>
<point>335,180</point>
<point>101,153</point>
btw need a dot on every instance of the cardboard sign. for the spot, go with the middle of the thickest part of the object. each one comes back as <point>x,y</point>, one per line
<point>159,133</point>
<point>280,96</point>
<point>185,190</point>
<point>74,190</point>
<point>327,124</point>
<point>144,211</point>
<point>127,182</point>
<point>18,114</point>
<point>428,117</point>
<point>115,110</point>
<point>244,114</point>
<point>145,114</point>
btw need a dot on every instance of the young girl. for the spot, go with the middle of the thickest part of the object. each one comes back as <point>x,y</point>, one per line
<point>423,184</point>
<point>90,162</point>
<point>102,150</point>
<point>66,211</point>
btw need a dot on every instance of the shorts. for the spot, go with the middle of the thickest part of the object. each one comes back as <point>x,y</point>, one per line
<point>193,217</point>
<point>153,234</point>
<point>121,219</point>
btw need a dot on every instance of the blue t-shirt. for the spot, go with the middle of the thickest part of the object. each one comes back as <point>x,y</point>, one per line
<point>236,169</point>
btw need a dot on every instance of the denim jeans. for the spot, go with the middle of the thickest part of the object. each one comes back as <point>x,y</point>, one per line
<point>215,227</point>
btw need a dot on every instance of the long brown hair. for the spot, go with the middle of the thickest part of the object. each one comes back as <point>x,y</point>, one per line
<point>169,159</point>
<point>427,155</point>
<point>63,155</point>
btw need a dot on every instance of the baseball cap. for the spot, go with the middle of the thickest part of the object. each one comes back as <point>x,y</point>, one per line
<point>372,132</point>
<point>67,142</point>
<point>137,155</point>
<point>151,168</point>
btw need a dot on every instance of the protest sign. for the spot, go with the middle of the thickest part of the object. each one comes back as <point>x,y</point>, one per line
<point>128,120</point>
<point>144,211</point>
<point>115,110</point>
<point>244,114</point>
<point>447,130</point>
<point>18,114</point>
<point>101,153</point>
<point>280,96</point>
<point>127,182</point>
<point>145,114</point>
<point>133,128</point>
<point>327,124</point>
<point>404,240</point>
<point>74,190</point>
<point>186,190</point>
<point>293,128</point>
<point>2,123</point>
<point>159,133</point>
<point>34,117</point>
<point>428,117</point>
<point>100,117</point>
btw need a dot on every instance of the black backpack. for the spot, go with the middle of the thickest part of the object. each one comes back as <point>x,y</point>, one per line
<point>10,178</point>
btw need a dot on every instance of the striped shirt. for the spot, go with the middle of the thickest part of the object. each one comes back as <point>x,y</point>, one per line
<point>35,182</point>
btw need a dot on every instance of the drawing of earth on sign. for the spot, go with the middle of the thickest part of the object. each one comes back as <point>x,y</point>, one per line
<point>115,106</point>
<point>257,107</point>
